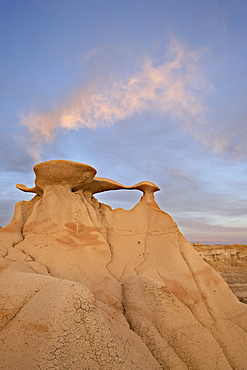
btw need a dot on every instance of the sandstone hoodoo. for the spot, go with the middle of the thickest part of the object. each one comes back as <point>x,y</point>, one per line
<point>83,286</point>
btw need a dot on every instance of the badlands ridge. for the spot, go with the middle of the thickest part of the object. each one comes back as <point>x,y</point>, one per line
<point>83,286</point>
<point>230,261</point>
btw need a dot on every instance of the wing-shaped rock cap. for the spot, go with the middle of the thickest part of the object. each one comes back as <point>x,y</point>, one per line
<point>35,189</point>
<point>146,187</point>
<point>68,173</point>
<point>77,176</point>
<point>100,184</point>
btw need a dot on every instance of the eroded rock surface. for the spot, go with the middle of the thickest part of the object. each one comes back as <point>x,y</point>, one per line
<point>230,261</point>
<point>83,286</point>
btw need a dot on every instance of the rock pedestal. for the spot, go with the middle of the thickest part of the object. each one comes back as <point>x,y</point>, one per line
<point>83,286</point>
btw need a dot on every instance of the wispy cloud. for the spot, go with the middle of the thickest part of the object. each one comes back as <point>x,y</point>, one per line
<point>169,88</point>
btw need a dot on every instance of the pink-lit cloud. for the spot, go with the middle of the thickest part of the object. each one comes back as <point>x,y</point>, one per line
<point>169,88</point>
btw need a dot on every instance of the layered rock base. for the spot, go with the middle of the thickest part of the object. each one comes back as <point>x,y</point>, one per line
<point>83,286</point>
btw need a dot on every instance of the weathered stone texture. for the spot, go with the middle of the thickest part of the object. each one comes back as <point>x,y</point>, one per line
<point>83,286</point>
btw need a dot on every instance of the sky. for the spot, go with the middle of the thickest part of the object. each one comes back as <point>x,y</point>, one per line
<point>139,89</point>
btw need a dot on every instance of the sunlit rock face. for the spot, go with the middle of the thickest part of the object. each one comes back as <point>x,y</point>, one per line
<point>231,263</point>
<point>83,286</point>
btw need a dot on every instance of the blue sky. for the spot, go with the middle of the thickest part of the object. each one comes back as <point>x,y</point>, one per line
<point>141,90</point>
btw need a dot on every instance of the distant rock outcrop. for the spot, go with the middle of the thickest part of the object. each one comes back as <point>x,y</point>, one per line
<point>231,263</point>
<point>83,286</point>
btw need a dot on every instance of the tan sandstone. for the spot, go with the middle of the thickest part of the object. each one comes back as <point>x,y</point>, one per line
<point>83,286</point>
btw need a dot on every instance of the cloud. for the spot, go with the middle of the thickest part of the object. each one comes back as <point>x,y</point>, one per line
<point>175,87</point>
<point>172,87</point>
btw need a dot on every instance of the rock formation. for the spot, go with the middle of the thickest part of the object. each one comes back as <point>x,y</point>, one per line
<point>230,261</point>
<point>83,286</point>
